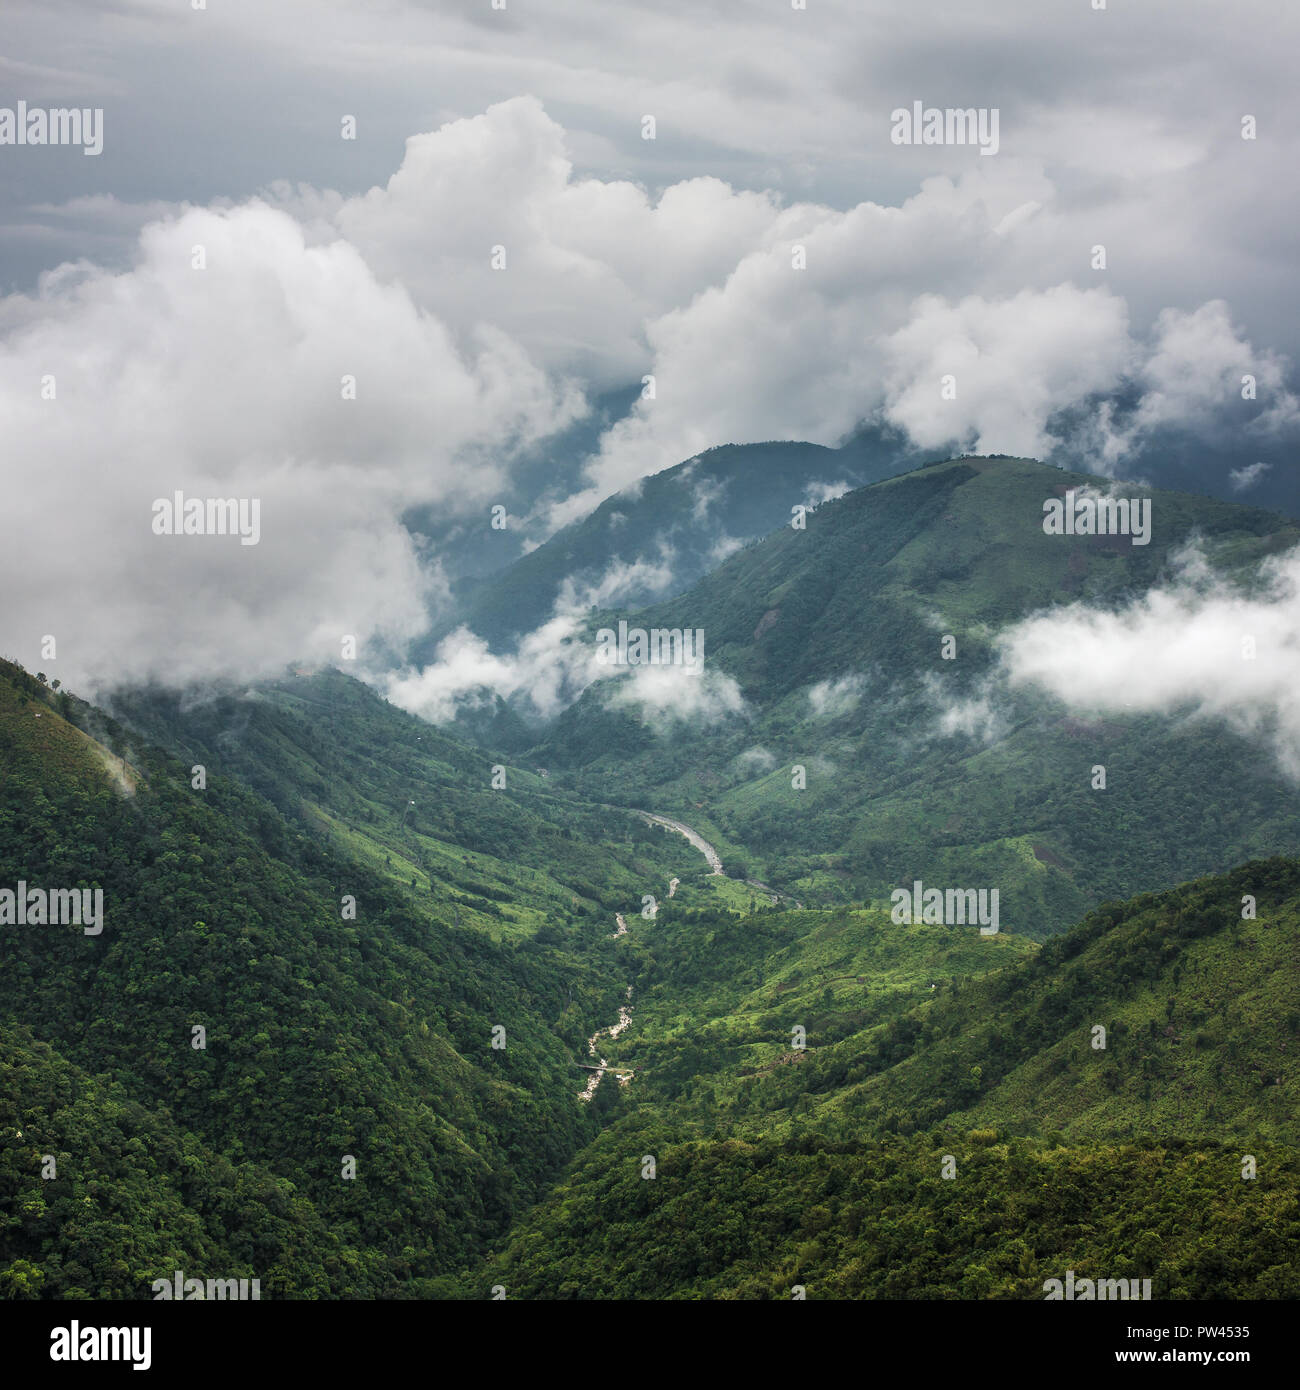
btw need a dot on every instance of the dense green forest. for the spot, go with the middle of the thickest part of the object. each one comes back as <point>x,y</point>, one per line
<point>326,1035</point>
<point>1119,1154</point>
<point>799,1077</point>
<point>732,1218</point>
<point>910,1026</point>
<point>417,807</point>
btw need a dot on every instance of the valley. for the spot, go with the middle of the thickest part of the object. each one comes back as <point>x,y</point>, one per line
<point>497,998</point>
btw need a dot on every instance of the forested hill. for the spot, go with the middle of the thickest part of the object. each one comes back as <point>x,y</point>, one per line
<point>203,1073</point>
<point>201,1069</point>
<point>1171,1014</point>
<point>667,531</point>
<point>471,840</point>
<point>877,1219</point>
<point>864,651</point>
<point>1121,1103</point>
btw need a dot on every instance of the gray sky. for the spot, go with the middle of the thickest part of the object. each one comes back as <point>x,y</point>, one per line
<point>1133,111</point>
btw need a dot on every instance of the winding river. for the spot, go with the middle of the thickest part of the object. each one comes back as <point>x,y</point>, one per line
<point>714,859</point>
<point>624,1074</point>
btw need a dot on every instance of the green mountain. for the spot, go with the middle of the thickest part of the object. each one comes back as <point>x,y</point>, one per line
<point>835,636</point>
<point>864,1219</point>
<point>267,997</point>
<point>911,1026</point>
<point>830,1099</point>
<point>321,914</point>
<point>418,808</point>
<point>675,526</point>
<point>970,1141</point>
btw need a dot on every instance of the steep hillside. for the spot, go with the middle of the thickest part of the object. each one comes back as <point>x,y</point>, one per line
<point>909,1026</point>
<point>720,996</point>
<point>803,1079</point>
<point>970,1141</point>
<point>922,766</point>
<point>418,808</point>
<point>668,531</point>
<point>271,1004</point>
<point>102,1193</point>
<point>756,1219</point>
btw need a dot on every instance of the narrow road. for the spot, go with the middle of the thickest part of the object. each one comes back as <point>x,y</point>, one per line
<point>601,1066</point>
<point>698,840</point>
<point>711,854</point>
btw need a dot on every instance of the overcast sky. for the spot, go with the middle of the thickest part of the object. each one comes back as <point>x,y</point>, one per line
<point>327,257</point>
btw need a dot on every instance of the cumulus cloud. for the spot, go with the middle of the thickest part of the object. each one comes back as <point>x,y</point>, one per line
<point>227,381</point>
<point>1199,364</point>
<point>1199,646</point>
<point>1008,366</point>
<point>233,380</point>
<point>551,667</point>
<point>945,317</point>
<point>1199,375</point>
<point>220,364</point>
<point>582,262</point>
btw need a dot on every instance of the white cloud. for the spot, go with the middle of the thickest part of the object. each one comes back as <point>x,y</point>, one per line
<point>666,695</point>
<point>724,548</point>
<point>956,282</point>
<point>228,382</point>
<point>225,381</point>
<point>1182,648</point>
<point>621,581</point>
<point>826,492</point>
<point>549,669</point>
<point>756,760</point>
<point>551,666</point>
<point>1243,478</point>
<point>977,714</point>
<point>704,493</point>
<point>1012,363</point>
<point>829,699</point>
<point>587,261</point>
<point>1197,366</point>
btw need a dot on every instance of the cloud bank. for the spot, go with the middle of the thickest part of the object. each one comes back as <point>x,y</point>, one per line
<point>1199,647</point>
